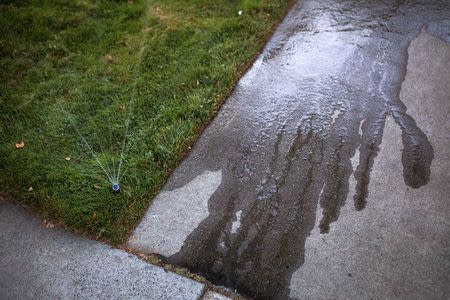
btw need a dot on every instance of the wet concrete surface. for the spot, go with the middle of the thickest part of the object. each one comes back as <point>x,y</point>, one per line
<point>399,246</point>
<point>297,143</point>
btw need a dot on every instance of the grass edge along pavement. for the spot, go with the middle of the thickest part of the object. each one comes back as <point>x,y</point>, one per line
<point>82,56</point>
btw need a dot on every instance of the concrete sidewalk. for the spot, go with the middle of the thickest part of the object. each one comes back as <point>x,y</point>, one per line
<point>326,173</point>
<point>37,262</point>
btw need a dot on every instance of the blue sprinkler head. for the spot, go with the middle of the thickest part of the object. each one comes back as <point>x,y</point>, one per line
<point>115,187</point>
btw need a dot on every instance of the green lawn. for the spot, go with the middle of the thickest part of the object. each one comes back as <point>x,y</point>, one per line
<point>165,65</point>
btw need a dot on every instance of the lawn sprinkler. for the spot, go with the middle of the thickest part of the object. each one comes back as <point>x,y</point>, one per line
<point>115,187</point>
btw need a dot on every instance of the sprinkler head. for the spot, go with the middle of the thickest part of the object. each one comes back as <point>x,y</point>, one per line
<point>115,187</point>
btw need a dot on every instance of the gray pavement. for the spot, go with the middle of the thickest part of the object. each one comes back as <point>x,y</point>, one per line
<point>37,262</point>
<point>326,173</point>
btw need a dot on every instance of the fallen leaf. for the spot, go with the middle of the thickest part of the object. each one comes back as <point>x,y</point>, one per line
<point>97,186</point>
<point>48,224</point>
<point>122,107</point>
<point>109,58</point>
<point>30,189</point>
<point>20,145</point>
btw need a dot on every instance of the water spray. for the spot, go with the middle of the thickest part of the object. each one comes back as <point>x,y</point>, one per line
<point>110,172</point>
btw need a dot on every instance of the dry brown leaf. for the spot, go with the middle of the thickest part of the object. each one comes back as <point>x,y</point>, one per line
<point>48,224</point>
<point>109,58</point>
<point>97,186</point>
<point>20,145</point>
